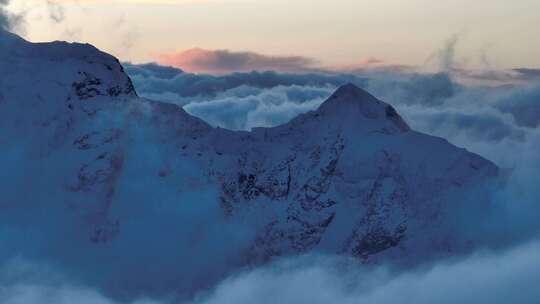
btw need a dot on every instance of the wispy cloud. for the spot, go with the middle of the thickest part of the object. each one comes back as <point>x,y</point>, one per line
<point>9,20</point>
<point>153,2</point>
<point>15,21</point>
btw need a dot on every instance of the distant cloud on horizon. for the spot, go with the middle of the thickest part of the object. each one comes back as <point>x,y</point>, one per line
<point>223,62</point>
<point>200,60</point>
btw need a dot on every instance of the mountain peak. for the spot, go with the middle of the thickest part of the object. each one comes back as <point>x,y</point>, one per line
<point>352,95</point>
<point>351,90</point>
<point>68,72</point>
<point>357,104</point>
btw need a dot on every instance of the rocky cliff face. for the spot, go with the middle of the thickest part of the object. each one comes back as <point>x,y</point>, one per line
<point>349,178</point>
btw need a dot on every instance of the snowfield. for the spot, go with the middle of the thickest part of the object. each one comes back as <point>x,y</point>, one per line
<point>126,183</point>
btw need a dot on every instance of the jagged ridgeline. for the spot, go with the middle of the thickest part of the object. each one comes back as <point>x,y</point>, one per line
<point>99,179</point>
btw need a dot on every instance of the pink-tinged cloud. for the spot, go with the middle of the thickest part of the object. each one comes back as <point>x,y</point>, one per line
<point>370,64</point>
<point>224,61</point>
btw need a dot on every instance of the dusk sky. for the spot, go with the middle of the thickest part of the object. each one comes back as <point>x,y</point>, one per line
<point>490,33</point>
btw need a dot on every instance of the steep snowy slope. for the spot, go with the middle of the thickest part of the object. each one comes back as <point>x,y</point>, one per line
<point>90,166</point>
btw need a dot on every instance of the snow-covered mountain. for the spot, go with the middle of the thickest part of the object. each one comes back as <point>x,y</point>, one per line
<point>80,148</point>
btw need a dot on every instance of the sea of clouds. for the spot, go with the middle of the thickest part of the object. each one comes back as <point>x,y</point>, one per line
<point>507,276</point>
<point>493,113</point>
<point>498,111</point>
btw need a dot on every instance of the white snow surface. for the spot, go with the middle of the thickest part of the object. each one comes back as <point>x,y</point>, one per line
<point>351,177</point>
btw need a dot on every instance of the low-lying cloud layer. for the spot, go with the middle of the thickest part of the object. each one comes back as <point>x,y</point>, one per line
<point>485,277</point>
<point>436,103</point>
<point>504,277</point>
<point>168,83</point>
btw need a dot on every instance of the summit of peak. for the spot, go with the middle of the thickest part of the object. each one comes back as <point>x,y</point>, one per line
<point>349,88</point>
<point>351,95</point>
<point>352,91</point>
<point>78,70</point>
<point>350,101</point>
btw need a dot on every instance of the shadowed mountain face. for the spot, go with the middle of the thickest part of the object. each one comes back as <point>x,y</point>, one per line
<point>107,184</point>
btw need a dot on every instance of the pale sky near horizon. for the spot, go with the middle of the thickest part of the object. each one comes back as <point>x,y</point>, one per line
<point>496,33</point>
